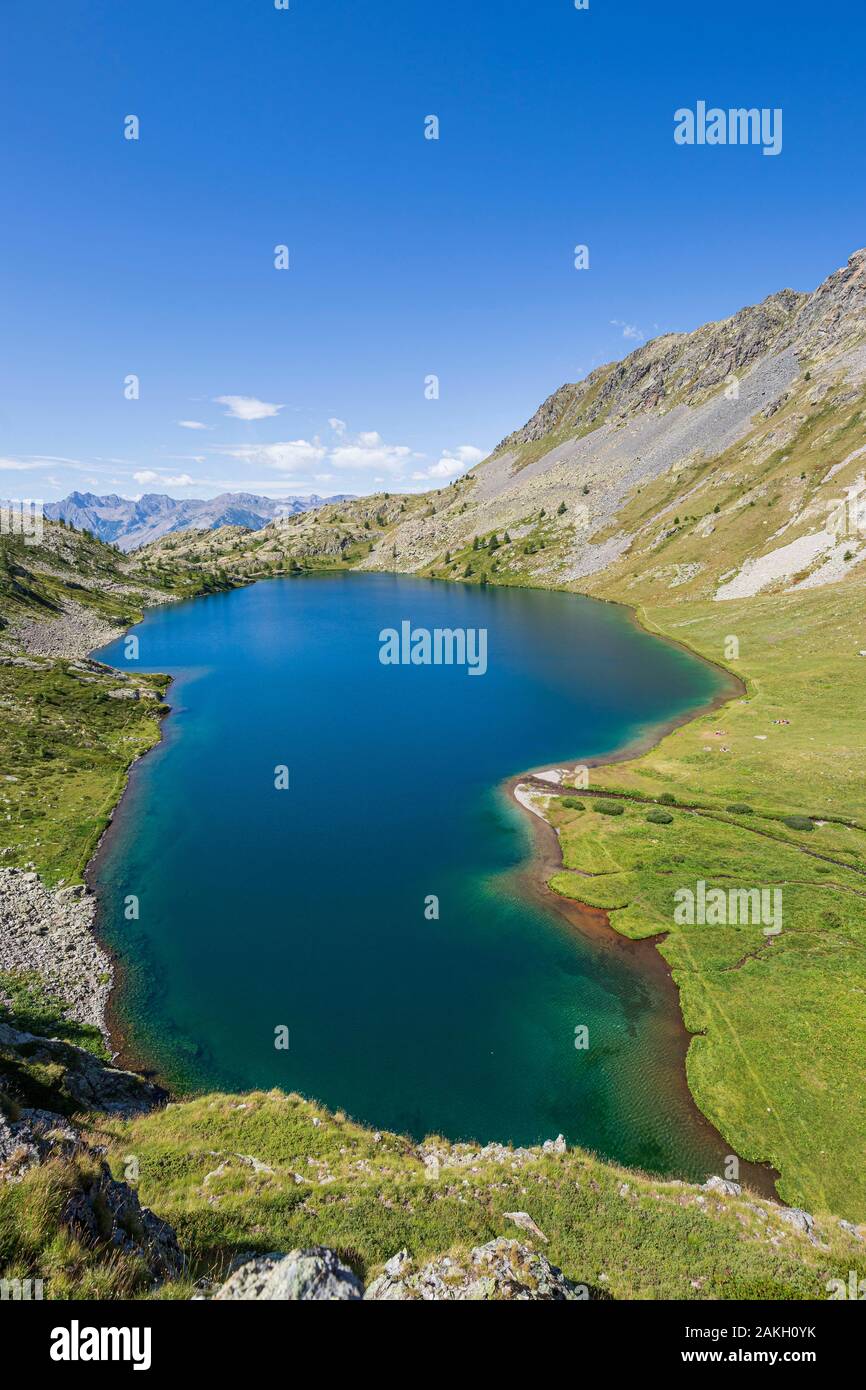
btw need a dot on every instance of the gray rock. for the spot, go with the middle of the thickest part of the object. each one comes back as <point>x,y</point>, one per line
<point>50,932</point>
<point>104,1212</point>
<point>722,1185</point>
<point>82,1081</point>
<point>500,1270</point>
<point>851,1229</point>
<point>32,1137</point>
<point>525,1222</point>
<point>302,1275</point>
<point>799,1219</point>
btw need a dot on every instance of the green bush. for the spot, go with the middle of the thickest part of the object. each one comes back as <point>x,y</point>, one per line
<point>667,799</point>
<point>658,817</point>
<point>572,803</point>
<point>609,808</point>
<point>739,808</point>
<point>798,822</point>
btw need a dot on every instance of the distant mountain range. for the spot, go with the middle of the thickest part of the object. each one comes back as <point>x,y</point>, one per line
<point>128,524</point>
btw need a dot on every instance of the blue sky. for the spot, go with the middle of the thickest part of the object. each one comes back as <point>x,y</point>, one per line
<point>408,257</point>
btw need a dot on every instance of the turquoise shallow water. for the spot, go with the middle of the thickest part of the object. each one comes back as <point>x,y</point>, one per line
<point>305,907</point>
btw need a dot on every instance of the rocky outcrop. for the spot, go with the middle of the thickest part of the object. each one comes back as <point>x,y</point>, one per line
<point>315,1274</point>
<point>500,1270</point>
<point>722,1185</point>
<point>437,1157</point>
<point>674,368</point>
<point>100,1211</point>
<point>683,367</point>
<point>104,1212</point>
<point>50,932</point>
<point>71,1078</point>
<point>30,1138</point>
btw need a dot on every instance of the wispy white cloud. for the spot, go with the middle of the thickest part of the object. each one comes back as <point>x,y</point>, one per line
<point>629,330</point>
<point>338,426</point>
<point>248,407</point>
<point>365,451</point>
<point>146,476</point>
<point>451,463</point>
<point>31,463</point>
<point>369,450</point>
<point>288,456</point>
<point>192,425</point>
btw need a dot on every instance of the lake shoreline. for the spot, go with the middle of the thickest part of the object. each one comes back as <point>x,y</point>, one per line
<point>545,860</point>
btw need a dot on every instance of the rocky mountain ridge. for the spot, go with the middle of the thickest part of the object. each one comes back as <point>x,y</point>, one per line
<point>744,429</point>
<point>129,523</point>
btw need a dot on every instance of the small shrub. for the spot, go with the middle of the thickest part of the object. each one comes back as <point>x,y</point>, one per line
<point>739,808</point>
<point>658,817</point>
<point>667,799</point>
<point>609,808</point>
<point>798,822</point>
<point>572,803</point>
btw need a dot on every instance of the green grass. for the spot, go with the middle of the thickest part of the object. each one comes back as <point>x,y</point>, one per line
<point>622,1234</point>
<point>66,745</point>
<point>64,756</point>
<point>777,1022</point>
<point>368,1197</point>
<point>35,1244</point>
<point>33,1009</point>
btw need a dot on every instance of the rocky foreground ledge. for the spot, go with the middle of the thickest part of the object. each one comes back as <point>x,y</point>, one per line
<point>499,1270</point>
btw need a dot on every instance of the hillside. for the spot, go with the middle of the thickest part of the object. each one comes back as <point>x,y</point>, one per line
<point>672,470</point>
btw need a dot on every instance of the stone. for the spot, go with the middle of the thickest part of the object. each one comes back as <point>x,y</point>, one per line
<point>103,1211</point>
<point>722,1185</point>
<point>82,1082</point>
<point>301,1276</point>
<point>525,1222</point>
<point>799,1219</point>
<point>500,1270</point>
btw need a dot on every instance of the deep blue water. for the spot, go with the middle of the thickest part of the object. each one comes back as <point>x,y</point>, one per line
<point>305,907</point>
